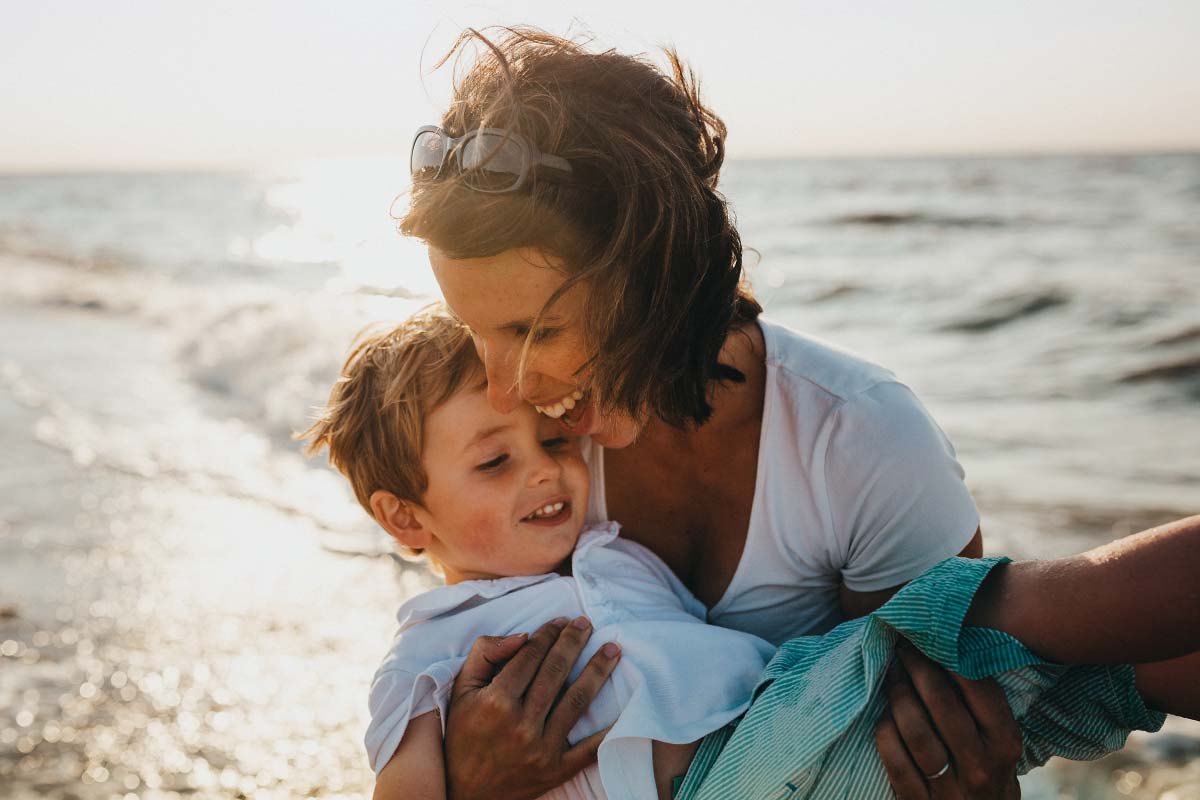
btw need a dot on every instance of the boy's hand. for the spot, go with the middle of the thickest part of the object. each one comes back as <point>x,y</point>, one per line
<point>506,730</point>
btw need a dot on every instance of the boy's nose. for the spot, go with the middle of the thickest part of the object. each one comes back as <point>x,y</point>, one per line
<point>546,469</point>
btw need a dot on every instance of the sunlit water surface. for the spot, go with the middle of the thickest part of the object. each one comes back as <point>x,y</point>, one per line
<point>189,608</point>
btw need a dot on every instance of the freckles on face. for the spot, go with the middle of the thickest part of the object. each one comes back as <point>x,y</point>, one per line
<point>487,473</point>
<point>499,297</point>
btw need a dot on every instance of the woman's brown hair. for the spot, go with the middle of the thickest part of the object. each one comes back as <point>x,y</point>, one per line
<point>638,221</point>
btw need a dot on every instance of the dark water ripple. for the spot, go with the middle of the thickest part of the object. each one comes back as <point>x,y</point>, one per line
<point>1002,311</point>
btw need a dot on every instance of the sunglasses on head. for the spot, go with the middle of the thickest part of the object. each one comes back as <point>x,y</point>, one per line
<point>489,159</point>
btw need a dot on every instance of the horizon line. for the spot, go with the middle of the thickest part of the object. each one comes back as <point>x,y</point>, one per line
<point>12,170</point>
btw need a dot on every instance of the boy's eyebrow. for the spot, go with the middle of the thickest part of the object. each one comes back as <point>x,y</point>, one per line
<point>486,433</point>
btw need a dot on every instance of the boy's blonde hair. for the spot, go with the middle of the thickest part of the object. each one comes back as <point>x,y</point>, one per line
<point>394,377</point>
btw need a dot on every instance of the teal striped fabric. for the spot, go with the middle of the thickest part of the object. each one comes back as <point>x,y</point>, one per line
<point>810,731</point>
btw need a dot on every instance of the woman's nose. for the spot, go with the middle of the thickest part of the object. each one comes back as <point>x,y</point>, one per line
<point>500,368</point>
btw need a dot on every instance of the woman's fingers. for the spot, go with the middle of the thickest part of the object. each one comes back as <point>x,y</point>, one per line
<point>555,667</point>
<point>952,719</point>
<point>584,751</point>
<point>579,695</point>
<point>914,726</point>
<point>906,779</point>
<point>975,730</point>
<point>488,654</point>
<point>514,679</point>
<point>995,720</point>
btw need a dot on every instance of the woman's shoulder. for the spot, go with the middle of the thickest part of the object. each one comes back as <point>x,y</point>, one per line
<point>807,363</point>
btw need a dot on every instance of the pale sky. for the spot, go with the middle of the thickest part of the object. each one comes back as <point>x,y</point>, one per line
<point>232,83</point>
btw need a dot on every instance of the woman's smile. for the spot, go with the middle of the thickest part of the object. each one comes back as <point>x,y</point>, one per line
<point>555,410</point>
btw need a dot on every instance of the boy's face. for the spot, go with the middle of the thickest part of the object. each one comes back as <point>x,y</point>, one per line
<point>507,492</point>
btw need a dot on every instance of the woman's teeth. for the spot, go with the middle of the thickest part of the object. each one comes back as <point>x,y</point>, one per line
<point>548,510</point>
<point>562,406</point>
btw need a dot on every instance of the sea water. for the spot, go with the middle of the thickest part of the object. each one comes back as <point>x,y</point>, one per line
<point>172,616</point>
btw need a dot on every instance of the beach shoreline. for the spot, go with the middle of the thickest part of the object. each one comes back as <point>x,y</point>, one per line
<point>189,608</point>
<point>162,636</point>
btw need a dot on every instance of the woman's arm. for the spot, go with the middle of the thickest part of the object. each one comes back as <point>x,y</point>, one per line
<point>415,769</point>
<point>506,731</point>
<point>1131,601</point>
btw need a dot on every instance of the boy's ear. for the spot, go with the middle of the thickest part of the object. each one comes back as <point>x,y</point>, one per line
<point>397,518</point>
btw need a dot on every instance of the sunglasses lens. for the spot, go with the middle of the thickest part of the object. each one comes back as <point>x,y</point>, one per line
<point>426,159</point>
<point>496,161</point>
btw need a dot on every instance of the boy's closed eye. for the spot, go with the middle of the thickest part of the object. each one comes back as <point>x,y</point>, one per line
<point>492,464</point>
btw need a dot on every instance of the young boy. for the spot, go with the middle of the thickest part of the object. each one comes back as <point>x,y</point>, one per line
<point>496,502</point>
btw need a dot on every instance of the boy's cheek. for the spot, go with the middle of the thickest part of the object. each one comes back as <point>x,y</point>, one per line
<point>486,532</point>
<point>579,482</point>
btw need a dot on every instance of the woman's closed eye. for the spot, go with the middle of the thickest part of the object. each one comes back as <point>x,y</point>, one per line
<point>540,335</point>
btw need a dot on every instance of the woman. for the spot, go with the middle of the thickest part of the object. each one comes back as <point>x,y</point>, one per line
<point>569,204</point>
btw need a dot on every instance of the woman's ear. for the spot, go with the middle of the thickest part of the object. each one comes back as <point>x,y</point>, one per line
<point>397,518</point>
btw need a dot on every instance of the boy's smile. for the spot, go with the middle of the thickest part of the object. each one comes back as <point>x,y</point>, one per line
<point>507,492</point>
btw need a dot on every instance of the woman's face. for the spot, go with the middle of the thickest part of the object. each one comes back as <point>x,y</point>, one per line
<point>499,297</point>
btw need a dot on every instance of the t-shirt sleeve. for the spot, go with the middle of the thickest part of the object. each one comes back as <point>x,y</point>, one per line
<point>897,500</point>
<point>396,698</point>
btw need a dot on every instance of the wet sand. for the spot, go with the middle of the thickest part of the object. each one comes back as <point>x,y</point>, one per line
<point>171,627</point>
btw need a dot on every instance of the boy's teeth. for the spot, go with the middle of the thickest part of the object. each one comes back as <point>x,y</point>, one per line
<point>548,510</point>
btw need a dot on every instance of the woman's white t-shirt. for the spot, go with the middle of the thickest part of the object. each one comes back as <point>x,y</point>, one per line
<point>856,484</point>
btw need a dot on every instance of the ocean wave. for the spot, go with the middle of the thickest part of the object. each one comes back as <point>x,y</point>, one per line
<point>889,219</point>
<point>107,260</point>
<point>1182,369</point>
<point>270,361</point>
<point>796,292</point>
<point>1190,334</point>
<point>50,282</point>
<point>1007,309</point>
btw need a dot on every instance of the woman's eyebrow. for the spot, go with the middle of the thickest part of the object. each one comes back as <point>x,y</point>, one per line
<point>527,323</point>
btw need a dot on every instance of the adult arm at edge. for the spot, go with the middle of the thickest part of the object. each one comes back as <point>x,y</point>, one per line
<point>1135,600</point>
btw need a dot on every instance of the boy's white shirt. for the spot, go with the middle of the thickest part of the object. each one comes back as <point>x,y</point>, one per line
<point>678,678</point>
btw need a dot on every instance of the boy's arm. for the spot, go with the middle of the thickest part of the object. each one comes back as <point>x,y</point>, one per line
<point>415,771</point>
<point>1134,600</point>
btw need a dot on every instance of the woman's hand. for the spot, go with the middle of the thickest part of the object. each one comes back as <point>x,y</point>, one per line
<point>506,730</point>
<point>944,736</point>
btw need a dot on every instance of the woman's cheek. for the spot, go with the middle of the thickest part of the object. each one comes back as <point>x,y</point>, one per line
<point>562,359</point>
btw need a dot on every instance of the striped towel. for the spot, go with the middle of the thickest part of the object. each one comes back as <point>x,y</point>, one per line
<point>809,732</point>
